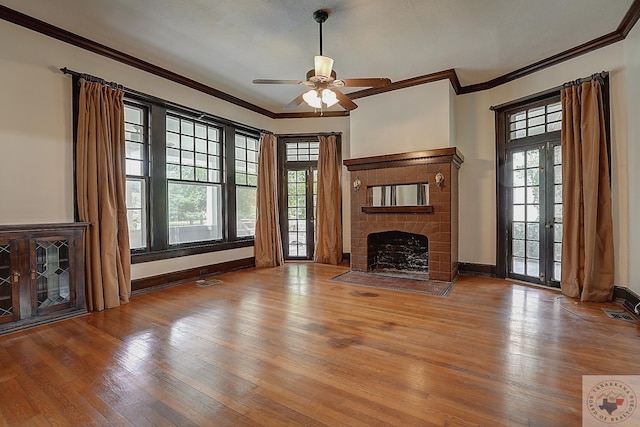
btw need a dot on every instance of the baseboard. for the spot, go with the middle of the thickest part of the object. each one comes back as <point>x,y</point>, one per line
<point>470,269</point>
<point>627,297</point>
<point>163,280</point>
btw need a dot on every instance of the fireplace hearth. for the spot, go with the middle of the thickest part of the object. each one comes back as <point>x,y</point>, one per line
<point>404,213</point>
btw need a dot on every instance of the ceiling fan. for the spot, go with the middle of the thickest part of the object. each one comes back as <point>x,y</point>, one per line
<point>323,82</point>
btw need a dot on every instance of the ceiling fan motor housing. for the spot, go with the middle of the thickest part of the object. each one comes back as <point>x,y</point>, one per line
<point>311,76</point>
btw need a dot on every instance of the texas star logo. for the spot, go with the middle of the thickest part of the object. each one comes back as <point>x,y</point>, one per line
<point>611,401</point>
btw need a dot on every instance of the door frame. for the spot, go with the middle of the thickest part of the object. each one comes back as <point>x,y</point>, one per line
<point>503,197</point>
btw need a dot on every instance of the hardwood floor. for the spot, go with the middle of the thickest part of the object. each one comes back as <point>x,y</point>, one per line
<point>287,346</point>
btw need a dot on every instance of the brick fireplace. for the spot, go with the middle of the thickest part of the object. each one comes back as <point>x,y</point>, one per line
<point>383,233</point>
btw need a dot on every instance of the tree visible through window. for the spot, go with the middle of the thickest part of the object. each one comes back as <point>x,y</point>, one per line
<point>246,176</point>
<point>194,175</point>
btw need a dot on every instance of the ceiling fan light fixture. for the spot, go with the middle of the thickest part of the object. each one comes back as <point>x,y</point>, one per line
<point>323,66</point>
<point>329,97</point>
<point>311,97</point>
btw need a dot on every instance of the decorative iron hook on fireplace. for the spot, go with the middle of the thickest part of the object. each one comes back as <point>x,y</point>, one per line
<point>439,179</point>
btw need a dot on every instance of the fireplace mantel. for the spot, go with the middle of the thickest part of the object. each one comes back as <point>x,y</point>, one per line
<point>438,155</point>
<point>437,221</point>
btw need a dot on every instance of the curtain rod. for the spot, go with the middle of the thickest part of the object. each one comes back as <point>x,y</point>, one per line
<point>597,76</point>
<point>294,135</point>
<point>93,79</point>
<point>199,114</point>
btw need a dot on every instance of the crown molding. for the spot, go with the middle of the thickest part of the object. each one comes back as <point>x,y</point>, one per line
<point>42,27</point>
<point>625,26</point>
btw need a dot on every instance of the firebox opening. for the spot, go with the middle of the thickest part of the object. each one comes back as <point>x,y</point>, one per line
<point>398,252</point>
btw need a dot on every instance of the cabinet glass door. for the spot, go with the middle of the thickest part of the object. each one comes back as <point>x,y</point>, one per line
<point>51,274</point>
<point>9,310</point>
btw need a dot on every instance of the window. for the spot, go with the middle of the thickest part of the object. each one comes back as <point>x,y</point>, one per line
<point>136,133</point>
<point>188,191</point>
<point>246,177</point>
<point>194,179</point>
<point>535,121</point>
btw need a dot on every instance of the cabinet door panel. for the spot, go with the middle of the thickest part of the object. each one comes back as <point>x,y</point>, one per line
<point>9,276</point>
<point>51,274</point>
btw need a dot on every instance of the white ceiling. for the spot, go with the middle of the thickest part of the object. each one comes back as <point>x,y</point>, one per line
<point>226,44</point>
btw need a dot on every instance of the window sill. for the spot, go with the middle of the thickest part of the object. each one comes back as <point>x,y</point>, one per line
<point>140,257</point>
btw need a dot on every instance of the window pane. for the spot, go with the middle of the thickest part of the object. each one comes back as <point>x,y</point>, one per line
<point>195,212</point>
<point>246,211</point>
<point>533,158</point>
<point>518,248</point>
<point>136,213</point>
<point>187,158</point>
<point>186,142</point>
<point>173,171</point>
<point>518,213</point>
<point>134,167</point>
<point>518,230</point>
<point>134,150</point>
<point>201,131</point>
<point>173,124</point>
<point>173,139</point>
<point>186,127</point>
<point>201,145</point>
<point>518,178</point>
<point>518,160</point>
<point>201,160</point>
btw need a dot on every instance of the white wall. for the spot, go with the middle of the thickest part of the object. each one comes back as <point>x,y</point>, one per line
<point>412,119</point>
<point>632,91</point>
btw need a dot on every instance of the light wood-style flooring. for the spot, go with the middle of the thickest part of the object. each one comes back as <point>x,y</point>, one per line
<point>287,346</point>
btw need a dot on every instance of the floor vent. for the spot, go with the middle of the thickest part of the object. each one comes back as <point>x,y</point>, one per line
<point>205,283</point>
<point>619,314</point>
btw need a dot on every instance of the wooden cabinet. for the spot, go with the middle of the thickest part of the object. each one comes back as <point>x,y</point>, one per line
<point>42,274</point>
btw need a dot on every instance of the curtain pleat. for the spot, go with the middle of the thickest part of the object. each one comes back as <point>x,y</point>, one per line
<point>101,195</point>
<point>268,243</point>
<point>328,233</point>
<point>587,239</point>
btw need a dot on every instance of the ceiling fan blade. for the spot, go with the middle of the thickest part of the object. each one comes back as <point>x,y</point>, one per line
<point>277,82</point>
<point>293,104</point>
<point>344,100</point>
<point>362,82</point>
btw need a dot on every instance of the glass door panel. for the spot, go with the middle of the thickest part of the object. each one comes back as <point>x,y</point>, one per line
<point>535,223</point>
<point>301,199</point>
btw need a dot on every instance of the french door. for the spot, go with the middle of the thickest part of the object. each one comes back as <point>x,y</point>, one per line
<point>298,223</point>
<point>534,218</point>
<point>298,171</point>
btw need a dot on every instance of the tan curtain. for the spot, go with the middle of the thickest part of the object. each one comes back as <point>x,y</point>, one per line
<point>100,186</point>
<point>328,233</point>
<point>587,238</point>
<point>268,244</point>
